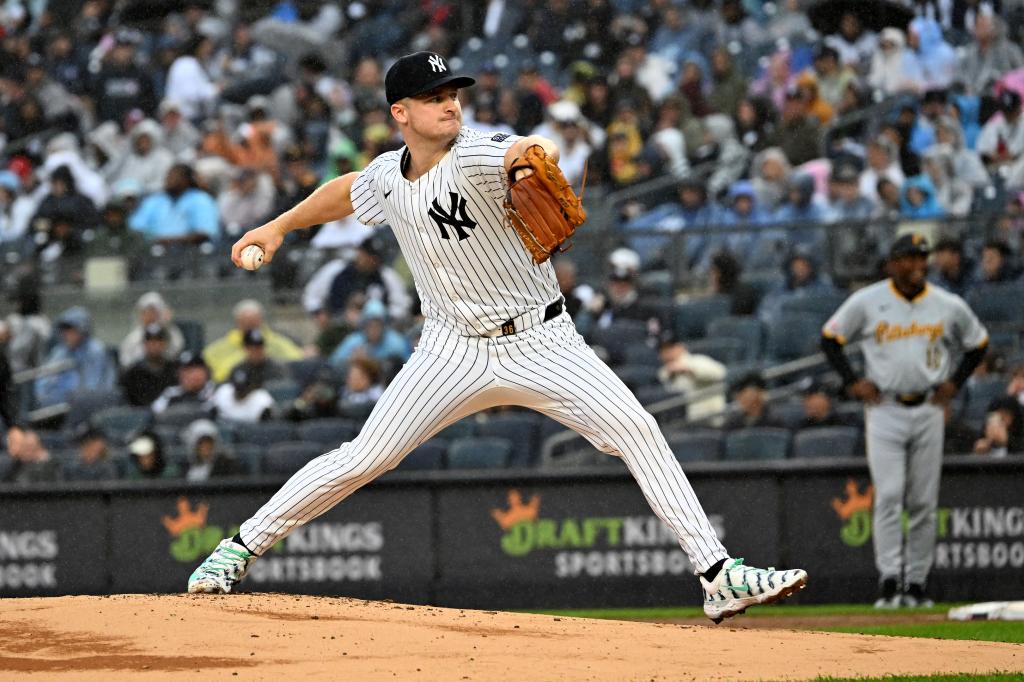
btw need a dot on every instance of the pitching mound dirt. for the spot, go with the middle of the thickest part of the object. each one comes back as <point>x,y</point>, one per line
<point>274,636</point>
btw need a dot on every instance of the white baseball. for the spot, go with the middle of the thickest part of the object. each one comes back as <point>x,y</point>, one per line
<point>252,257</point>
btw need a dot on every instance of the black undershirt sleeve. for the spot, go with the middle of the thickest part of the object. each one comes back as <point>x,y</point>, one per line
<point>968,364</point>
<point>8,396</point>
<point>833,351</point>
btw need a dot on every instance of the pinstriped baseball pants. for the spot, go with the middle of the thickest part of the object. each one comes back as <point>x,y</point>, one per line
<point>548,368</point>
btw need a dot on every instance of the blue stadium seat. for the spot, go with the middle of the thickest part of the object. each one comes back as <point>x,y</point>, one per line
<point>521,430</point>
<point>794,335</point>
<point>83,404</point>
<point>357,411</point>
<point>479,453</point>
<point>283,391</point>
<point>698,445</point>
<point>427,456</point>
<point>464,428</point>
<point>642,354</point>
<point>288,457</point>
<point>181,415</point>
<point>997,303</point>
<point>648,395</point>
<point>726,349</point>
<point>820,306</point>
<point>121,423</point>
<point>329,433</point>
<point>980,392</point>
<point>749,330</point>
<point>691,319</point>
<point>827,441</point>
<point>306,371</point>
<point>635,376</point>
<point>264,433</point>
<point>789,412</point>
<point>617,337</point>
<point>757,444</point>
<point>193,333</point>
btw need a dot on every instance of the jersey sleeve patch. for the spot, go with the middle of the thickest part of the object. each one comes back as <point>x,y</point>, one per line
<point>499,137</point>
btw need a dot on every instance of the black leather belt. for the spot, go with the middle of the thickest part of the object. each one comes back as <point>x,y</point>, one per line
<point>910,399</point>
<point>553,310</point>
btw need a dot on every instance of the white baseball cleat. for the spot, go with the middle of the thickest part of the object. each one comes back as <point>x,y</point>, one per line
<point>222,570</point>
<point>738,587</point>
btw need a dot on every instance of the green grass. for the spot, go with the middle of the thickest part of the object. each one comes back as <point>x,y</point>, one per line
<point>956,677</point>
<point>697,612</point>
<point>980,630</point>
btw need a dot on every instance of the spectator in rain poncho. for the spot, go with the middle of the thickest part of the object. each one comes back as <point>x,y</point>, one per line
<point>918,199</point>
<point>967,164</point>
<point>770,174</point>
<point>207,456</point>
<point>148,161</point>
<point>894,67</point>
<point>989,56</point>
<point>935,57</point>
<point>92,368</point>
<point>952,193</point>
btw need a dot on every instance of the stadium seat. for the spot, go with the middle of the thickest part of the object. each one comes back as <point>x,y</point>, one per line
<point>264,433</point>
<point>521,430</point>
<point>820,306</point>
<point>479,453</point>
<point>427,456</point>
<point>121,423</point>
<point>698,445</point>
<point>789,412</point>
<point>997,303</point>
<point>726,349</point>
<point>193,333</point>
<point>635,376</point>
<point>749,330</point>
<point>288,457</point>
<point>794,335</point>
<point>283,391</point>
<point>181,415</point>
<point>980,393</point>
<point>464,428</point>
<point>827,441</point>
<point>619,336</point>
<point>356,411</point>
<point>757,444</point>
<point>328,432</point>
<point>648,395</point>
<point>642,354</point>
<point>306,371</point>
<point>691,319</point>
<point>83,404</point>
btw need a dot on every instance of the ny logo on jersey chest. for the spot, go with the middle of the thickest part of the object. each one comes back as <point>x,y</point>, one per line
<point>455,217</point>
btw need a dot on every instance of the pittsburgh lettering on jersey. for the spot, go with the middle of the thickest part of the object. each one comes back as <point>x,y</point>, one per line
<point>885,332</point>
<point>455,217</point>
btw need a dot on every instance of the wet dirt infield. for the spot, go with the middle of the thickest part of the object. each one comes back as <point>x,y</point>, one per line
<point>277,636</point>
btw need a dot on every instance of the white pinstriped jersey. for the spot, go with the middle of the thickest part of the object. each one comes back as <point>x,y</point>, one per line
<point>908,345</point>
<point>470,268</point>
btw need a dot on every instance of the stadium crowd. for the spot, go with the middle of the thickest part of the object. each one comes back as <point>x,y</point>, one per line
<point>163,130</point>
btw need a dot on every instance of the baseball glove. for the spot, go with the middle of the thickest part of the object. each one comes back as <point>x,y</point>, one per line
<point>541,207</point>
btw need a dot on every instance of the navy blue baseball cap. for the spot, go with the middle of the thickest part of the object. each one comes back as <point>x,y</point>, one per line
<point>911,244</point>
<point>420,72</point>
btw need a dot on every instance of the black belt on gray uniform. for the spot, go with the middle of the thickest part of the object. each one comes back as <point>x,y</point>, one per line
<point>508,327</point>
<point>910,399</point>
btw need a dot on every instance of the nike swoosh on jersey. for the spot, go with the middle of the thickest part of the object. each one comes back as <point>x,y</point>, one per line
<point>388,193</point>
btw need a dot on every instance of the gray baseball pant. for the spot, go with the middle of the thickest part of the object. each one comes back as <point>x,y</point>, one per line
<point>904,447</point>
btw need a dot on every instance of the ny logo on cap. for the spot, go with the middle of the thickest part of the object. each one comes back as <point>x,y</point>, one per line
<point>436,63</point>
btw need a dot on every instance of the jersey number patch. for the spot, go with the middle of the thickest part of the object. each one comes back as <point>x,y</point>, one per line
<point>455,217</point>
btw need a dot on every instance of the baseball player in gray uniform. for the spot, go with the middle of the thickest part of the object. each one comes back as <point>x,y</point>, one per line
<point>495,334</point>
<point>911,331</point>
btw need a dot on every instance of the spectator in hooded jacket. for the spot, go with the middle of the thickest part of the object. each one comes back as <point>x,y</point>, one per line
<point>802,280</point>
<point>92,370</point>
<point>917,199</point>
<point>151,308</point>
<point>148,161</point>
<point>207,456</point>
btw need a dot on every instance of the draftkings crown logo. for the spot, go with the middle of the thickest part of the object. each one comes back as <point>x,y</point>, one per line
<point>855,511</point>
<point>192,539</point>
<point>518,511</point>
